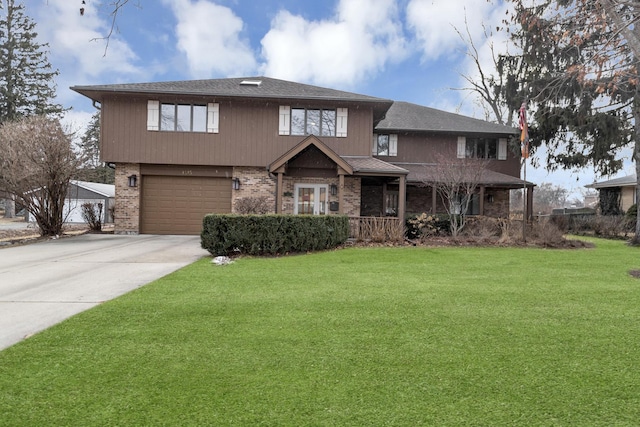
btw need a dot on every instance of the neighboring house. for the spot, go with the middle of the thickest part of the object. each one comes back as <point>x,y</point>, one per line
<point>81,192</point>
<point>616,195</point>
<point>184,149</point>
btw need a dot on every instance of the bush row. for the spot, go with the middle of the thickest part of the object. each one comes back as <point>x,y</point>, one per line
<point>272,234</point>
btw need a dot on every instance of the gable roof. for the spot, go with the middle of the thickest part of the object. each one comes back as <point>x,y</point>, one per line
<point>624,181</point>
<point>405,116</point>
<point>268,88</point>
<point>311,140</point>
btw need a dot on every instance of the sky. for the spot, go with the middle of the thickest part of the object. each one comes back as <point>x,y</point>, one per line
<point>405,50</point>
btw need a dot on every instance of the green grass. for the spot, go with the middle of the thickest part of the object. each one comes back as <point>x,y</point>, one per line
<point>356,337</point>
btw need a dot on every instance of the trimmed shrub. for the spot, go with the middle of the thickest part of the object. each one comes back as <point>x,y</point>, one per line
<point>224,234</point>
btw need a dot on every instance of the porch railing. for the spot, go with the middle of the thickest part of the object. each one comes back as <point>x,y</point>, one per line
<point>376,229</point>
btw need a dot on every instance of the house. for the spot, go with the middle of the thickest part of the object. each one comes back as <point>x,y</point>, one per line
<point>184,149</point>
<point>616,195</point>
<point>81,192</point>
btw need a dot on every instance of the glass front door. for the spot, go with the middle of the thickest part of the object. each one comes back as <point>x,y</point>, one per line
<point>310,199</point>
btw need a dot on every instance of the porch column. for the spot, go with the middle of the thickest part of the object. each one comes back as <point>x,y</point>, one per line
<point>529,212</point>
<point>434,198</point>
<point>341,194</point>
<point>279,191</point>
<point>481,207</point>
<point>402,196</point>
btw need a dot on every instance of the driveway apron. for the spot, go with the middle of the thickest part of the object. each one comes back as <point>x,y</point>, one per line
<point>43,283</point>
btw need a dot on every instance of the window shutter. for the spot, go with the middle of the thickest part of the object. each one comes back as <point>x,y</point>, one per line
<point>374,146</point>
<point>341,124</point>
<point>213,117</point>
<point>153,115</point>
<point>393,145</point>
<point>462,147</point>
<point>285,120</point>
<point>502,149</point>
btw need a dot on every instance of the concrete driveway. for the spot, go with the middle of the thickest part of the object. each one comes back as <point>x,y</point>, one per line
<point>42,284</point>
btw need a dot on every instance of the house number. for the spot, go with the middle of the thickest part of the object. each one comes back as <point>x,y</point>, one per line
<point>187,172</point>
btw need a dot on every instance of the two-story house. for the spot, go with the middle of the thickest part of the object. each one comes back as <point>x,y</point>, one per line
<point>188,148</point>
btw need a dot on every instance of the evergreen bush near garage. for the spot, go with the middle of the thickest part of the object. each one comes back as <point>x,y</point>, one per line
<point>224,234</point>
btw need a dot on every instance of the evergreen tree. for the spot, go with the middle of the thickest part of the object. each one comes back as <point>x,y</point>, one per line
<point>92,168</point>
<point>26,76</point>
<point>576,67</point>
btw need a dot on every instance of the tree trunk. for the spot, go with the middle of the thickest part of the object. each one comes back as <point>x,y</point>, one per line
<point>635,241</point>
<point>9,207</point>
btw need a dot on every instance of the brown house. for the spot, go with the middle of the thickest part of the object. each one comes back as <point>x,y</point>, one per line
<point>185,149</point>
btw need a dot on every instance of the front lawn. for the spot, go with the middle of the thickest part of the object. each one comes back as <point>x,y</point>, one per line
<point>362,337</point>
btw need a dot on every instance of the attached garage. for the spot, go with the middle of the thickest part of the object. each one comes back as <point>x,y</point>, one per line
<point>177,204</point>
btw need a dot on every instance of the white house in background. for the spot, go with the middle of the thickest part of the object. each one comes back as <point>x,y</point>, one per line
<point>621,191</point>
<point>81,192</point>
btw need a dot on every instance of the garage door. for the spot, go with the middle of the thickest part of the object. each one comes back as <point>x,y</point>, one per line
<point>176,204</point>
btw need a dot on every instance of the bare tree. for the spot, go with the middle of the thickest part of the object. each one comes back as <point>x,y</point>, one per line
<point>456,181</point>
<point>488,85</point>
<point>36,164</point>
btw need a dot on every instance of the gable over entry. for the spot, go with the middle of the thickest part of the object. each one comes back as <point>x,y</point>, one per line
<point>313,158</point>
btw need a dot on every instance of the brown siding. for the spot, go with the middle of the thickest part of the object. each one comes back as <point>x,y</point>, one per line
<point>416,148</point>
<point>248,134</point>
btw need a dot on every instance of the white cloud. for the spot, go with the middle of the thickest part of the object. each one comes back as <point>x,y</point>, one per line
<point>209,35</point>
<point>75,41</point>
<point>434,23</point>
<point>362,37</point>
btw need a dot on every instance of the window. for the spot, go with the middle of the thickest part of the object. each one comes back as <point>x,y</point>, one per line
<point>473,207</point>
<point>310,199</point>
<point>183,118</point>
<point>385,145</point>
<point>310,121</point>
<point>391,203</point>
<point>313,122</point>
<point>481,148</point>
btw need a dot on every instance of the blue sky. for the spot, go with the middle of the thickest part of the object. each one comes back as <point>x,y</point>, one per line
<point>406,50</point>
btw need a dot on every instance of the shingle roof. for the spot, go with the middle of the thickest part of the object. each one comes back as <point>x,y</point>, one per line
<point>412,117</point>
<point>427,172</point>
<point>365,164</point>
<point>232,87</point>
<point>625,181</point>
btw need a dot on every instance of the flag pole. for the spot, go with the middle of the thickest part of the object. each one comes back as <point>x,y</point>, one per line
<point>524,142</point>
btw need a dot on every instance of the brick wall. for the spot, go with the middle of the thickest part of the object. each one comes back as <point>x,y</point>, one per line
<point>127,205</point>
<point>254,182</point>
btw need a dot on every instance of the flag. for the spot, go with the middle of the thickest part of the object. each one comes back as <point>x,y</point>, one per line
<point>524,131</point>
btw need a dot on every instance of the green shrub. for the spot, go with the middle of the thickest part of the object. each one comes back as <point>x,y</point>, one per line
<point>272,234</point>
<point>632,212</point>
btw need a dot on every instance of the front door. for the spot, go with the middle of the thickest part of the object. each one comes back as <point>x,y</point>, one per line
<point>310,199</point>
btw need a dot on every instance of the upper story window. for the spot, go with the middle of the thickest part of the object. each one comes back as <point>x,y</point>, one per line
<point>482,148</point>
<point>385,145</point>
<point>313,121</point>
<point>182,117</point>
